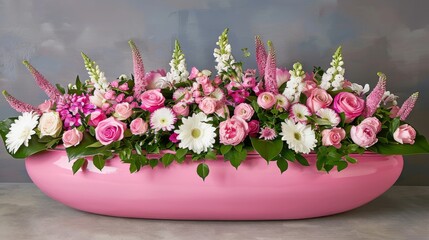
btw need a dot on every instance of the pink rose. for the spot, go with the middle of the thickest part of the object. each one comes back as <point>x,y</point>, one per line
<point>96,117</point>
<point>153,77</point>
<point>333,137</point>
<point>123,111</point>
<point>152,100</point>
<point>364,135</point>
<point>373,121</point>
<point>208,105</point>
<point>72,137</point>
<point>266,100</point>
<point>110,130</point>
<point>244,110</point>
<point>318,99</point>
<point>45,106</point>
<point>350,104</point>
<point>405,134</point>
<point>233,131</point>
<point>310,85</point>
<point>253,128</point>
<point>138,126</point>
<point>181,109</point>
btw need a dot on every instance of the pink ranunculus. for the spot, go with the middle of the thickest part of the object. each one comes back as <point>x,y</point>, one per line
<point>364,135</point>
<point>208,105</point>
<point>266,100</point>
<point>350,104</point>
<point>244,110</point>
<point>282,76</point>
<point>123,111</point>
<point>152,100</point>
<point>181,109</point>
<point>110,130</point>
<point>138,126</point>
<point>96,117</point>
<point>333,137</point>
<point>233,131</point>
<point>72,137</point>
<point>374,122</point>
<point>318,99</point>
<point>253,128</point>
<point>405,134</point>
<point>45,106</point>
<point>153,77</point>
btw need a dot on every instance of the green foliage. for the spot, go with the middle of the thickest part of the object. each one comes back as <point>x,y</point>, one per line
<point>236,157</point>
<point>167,159</point>
<point>203,170</point>
<point>267,149</point>
<point>85,148</point>
<point>99,161</point>
<point>282,164</point>
<point>78,164</point>
<point>420,146</point>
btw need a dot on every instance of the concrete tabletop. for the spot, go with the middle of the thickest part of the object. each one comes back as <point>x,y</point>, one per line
<point>26,213</point>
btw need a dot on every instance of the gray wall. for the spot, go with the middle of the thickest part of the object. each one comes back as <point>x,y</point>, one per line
<point>387,36</point>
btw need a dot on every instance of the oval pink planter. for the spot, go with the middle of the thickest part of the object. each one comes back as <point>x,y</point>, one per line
<point>256,191</point>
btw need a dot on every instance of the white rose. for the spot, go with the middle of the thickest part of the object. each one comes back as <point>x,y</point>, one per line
<point>50,124</point>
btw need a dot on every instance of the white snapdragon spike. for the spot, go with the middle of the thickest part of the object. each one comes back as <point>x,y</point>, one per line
<point>359,89</point>
<point>334,76</point>
<point>195,134</point>
<point>223,56</point>
<point>295,85</point>
<point>21,130</point>
<point>96,76</point>
<point>178,72</point>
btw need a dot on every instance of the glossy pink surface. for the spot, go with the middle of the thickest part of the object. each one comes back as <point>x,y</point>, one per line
<point>256,191</point>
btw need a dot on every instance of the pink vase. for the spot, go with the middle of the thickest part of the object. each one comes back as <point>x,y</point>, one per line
<point>256,191</point>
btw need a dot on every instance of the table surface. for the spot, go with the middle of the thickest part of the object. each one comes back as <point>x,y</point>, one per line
<point>26,213</point>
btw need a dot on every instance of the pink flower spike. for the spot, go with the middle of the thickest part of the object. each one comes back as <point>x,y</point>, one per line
<point>407,106</point>
<point>261,55</point>
<point>270,71</point>
<point>139,73</point>
<point>18,105</point>
<point>50,90</point>
<point>374,98</point>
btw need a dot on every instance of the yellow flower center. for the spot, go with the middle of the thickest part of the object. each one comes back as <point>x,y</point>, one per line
<point>196,133</point>
<point>297,136</point>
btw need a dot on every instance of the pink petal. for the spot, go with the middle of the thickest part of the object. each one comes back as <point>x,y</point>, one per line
<point>374,98</point>
<point>139,72</point>
<point>270,70</point>
<point>50,90</point>
<point>407,106</point>
<point>18,105</point>
<point>261,55</point>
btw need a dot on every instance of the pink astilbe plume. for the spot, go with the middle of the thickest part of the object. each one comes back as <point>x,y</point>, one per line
<point>139,73</point>
<point>18,105</point>
<point>270,70</point>
<point>374,98</point>
<point>50,90</point>
<point>407,106</point>
<point>261,55</point>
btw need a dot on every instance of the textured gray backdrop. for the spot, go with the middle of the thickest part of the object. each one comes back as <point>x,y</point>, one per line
<point>387,36</point>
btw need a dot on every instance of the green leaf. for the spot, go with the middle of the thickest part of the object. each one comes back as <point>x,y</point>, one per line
<point>138,149</point>
<point>239,147</point>
<point>267,149</point>
<point>211,155</point>
<point>420,146</point>
<point>394,125</point>
<point>34,146</point>
<point>288,154</point>
<point>167,159</point>
<point>225,148</point>
<point>60,88</point>
<point>341,165</point>
<point>235,157</point>
<point>282,164</point>
<point>153,162</point>
<point>350,159</point>
<point>99,161</point>
<point>78,164</point>
<point>81,150</point>
<point>180,153</point>
<point>203,170</point>
<point>95,145</point>
<point>302,160</point>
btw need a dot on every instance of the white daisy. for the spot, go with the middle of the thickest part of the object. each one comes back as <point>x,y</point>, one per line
<point>162,119</point>
<point>21,130</point>
<point>195,134</point>
<point>299,112</point>
<point>328,116</point>
<point>300,138</point>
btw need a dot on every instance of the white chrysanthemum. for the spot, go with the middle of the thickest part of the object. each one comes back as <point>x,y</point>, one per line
<point>162,119</point>
<point>329,115</point>
<point>21,130</point>
<point>300,138</point>
<point>359,89</point>
<point>299,112</point>
<point>195,134</point>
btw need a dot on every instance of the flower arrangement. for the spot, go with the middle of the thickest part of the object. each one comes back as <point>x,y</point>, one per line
<point>281,114</point>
